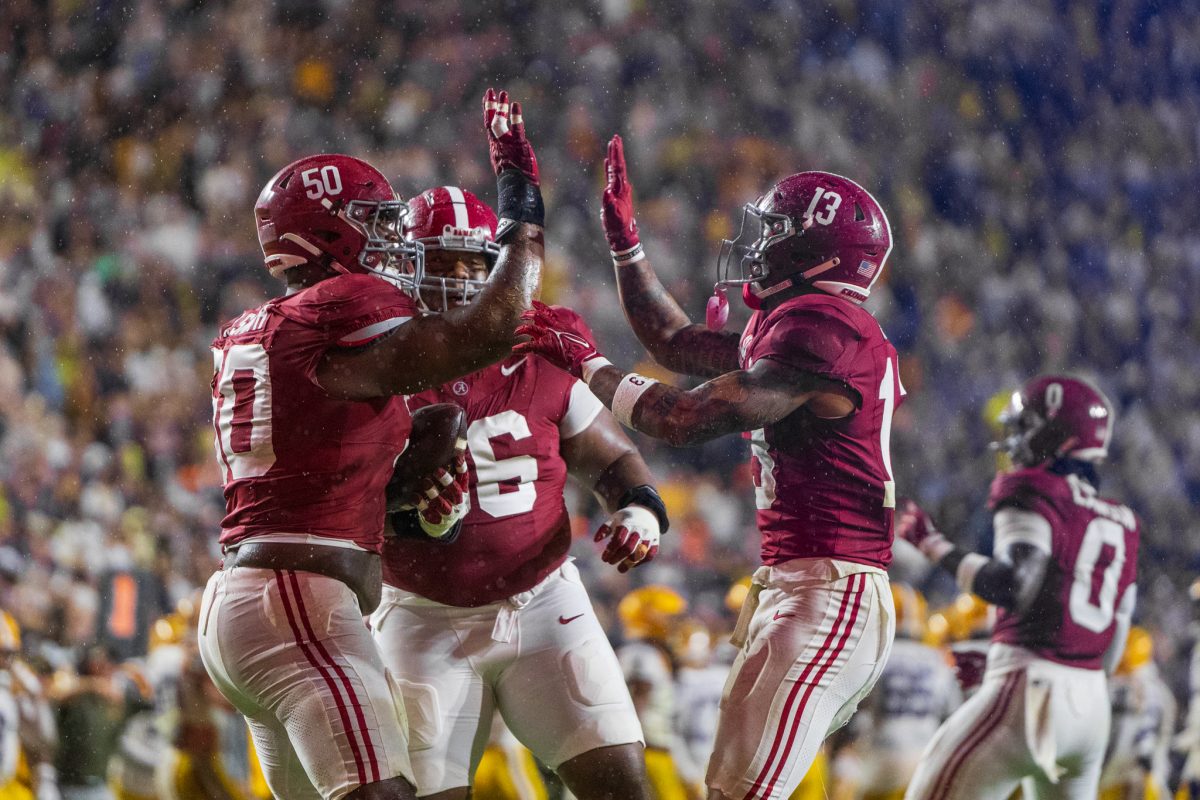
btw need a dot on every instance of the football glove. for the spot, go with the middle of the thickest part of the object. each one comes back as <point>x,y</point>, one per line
<point>616,209</point>
<point>917,528</point>
<point>560,336</point>
<point>443,499</point>
<point>507,146</point>
<point>633,535</point>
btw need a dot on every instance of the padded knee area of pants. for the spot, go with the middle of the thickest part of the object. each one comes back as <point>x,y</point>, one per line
<point>419,709</point>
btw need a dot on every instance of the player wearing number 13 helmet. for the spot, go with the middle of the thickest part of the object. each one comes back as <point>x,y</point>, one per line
<point>309,420</point>
<point>813,382</point>
<point>497,621</point>
<point>1062,574</point>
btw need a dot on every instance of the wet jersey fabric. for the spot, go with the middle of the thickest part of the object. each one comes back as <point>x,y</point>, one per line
<point>1094,546</point>
<point>517,531</point>
<point>295,460</point>
<point>824,487</point>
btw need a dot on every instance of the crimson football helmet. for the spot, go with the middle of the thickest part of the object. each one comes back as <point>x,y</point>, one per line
<point>1057,416</point>
<point>812,228</point>
<point>338,208</point>
<point>450,218</point>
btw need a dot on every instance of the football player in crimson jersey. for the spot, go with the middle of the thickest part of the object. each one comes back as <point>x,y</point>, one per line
<point>498,620</point>
<point>308,423</point>
<point>1062,575</point>
<point>814,381</point>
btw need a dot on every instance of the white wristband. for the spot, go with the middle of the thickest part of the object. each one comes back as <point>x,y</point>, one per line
<point>624,258</point>
<point>631,387</point>
<point>968,568</point>
<point>592,366</point>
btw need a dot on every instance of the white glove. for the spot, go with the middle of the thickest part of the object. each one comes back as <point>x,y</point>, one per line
<point>635,535</point>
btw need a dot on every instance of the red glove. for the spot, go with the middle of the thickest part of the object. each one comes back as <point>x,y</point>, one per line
<point>507,145</point>
<point>616,211</point>
<point>560,336</point>
<point>917,528</point>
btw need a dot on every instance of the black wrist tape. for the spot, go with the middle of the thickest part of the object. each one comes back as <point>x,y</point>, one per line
<point>520,198</point>
<point>647,496</point>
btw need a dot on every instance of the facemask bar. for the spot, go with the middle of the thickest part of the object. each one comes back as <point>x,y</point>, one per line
<point>388,254</point>
<point>760,230</point>
<point>456,289</point>
<point>1020,426</point>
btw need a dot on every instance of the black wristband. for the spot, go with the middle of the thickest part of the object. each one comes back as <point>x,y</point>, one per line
<point>407,525</point>
<point>646,495</point>
<point>520,198</point>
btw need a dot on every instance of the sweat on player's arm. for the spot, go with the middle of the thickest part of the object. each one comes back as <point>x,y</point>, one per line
<point>430,350</point>
<point>657,320</point>
<point>736,401</point>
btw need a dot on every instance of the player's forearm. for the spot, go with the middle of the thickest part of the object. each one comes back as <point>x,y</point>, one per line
<point>680,418</point>
<point>666,331</point>
<point>488,323</point>
<point>1009,585</point>
<point>623,474</point>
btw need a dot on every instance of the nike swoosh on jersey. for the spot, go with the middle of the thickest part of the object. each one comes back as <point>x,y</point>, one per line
<point>565,620</point>
<point>506,371</point>
<point>781,616</point>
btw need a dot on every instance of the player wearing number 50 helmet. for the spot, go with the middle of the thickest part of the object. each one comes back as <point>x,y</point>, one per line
<point>1062,574</point>
<point>498,620</point>
<point>309,421</point>
<point>814,381</point>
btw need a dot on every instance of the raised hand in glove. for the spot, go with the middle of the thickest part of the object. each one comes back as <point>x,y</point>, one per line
<point>917,528</point>
<point>560,336</point>
<point>616,210</point>
<point>507,146</point>
<point>633,534</point>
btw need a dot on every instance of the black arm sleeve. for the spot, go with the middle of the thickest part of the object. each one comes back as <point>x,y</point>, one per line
<point>1013,584</point>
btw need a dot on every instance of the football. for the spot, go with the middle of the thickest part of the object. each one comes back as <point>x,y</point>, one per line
<point>438,432</point>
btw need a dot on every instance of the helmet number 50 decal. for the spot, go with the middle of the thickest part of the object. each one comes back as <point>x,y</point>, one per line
<point>833,201</point>
<point>321,181</point>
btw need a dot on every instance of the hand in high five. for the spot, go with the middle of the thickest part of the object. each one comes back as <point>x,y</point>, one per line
<point>507,145</point>
<point>560,336</point>
<point>616,212</point>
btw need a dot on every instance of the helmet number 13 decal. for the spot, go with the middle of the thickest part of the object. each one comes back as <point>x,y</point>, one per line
<point>322,181</point>
<point>832,201</point>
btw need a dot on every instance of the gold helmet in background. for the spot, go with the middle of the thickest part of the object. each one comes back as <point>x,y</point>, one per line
<point>968,617</point>
<point>912,612</point>
<point>1139,651</point>
<point>10,633</point>
<point>651,612</point>
<point>736,595</point>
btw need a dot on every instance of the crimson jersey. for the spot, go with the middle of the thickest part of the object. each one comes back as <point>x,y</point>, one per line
<point>824,487</point>
<point>296,461</point>
<point>1094,545</point>
<point>517,531</point>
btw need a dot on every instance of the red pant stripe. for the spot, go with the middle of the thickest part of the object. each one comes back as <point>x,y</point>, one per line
<point>787,706</point>
<point>324,672</point>
<point>987,724</point>
<point>363,731</point>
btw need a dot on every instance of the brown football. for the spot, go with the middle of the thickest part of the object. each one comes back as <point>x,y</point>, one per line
<point>436,433</point>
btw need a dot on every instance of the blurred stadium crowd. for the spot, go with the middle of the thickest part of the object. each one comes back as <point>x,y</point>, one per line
<point>1038,160</point>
